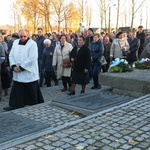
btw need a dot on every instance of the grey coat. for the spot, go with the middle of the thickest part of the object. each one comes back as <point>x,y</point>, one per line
<point>2,54</point>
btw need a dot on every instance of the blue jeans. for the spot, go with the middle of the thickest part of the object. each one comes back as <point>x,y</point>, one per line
<point>95,70</point>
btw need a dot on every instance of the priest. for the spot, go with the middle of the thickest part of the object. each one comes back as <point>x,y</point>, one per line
<point>23,59</point>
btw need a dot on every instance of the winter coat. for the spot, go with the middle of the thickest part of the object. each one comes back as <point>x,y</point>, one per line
<point>59,55</point>
<point>88,41</point>
<point>116,48</point>
<point>81,57</point>
<point>134,46</point>
<point>141,37</point>
<point>47,58</point>
<point>2,54</point>
<point>40,46</point>
<point>96,49</point>
<point>146,52</point>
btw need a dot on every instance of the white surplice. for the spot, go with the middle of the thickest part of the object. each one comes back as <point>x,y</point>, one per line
<point>25,56</point>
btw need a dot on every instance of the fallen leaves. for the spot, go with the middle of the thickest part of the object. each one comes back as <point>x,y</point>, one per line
<point>108,114</point>
<point>48,136</point>
<point>131,141</point>
<point>79,147</point>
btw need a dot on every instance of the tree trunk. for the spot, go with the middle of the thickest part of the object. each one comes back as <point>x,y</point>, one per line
<point>132,17</point>
<point>118,11</point>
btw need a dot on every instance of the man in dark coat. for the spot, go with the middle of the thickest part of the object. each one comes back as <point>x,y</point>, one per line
<point>41,46</point>
<point>80,58</point>
<point>89,38</point>
<point>141,36</point>
<point>134,46</point>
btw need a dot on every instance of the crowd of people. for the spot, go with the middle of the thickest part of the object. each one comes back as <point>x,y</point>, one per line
<point>29,62</point>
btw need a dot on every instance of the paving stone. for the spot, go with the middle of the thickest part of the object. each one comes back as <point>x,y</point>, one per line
<point>65,146</point>
<point>106,141</point>
<point>126,146</point>
<point>136,149</point>
<point>81,139</point>
<point>39,144</point>
<point>91,148</point>
<point>31,147</point>
<point>48,147</point>
<point>107,148</point>
<point>67,140</point>
<point>139,139</point>
<point>144,145</point>
<point>114,144</point>
<point>58,144</point>
<point>103,132</point>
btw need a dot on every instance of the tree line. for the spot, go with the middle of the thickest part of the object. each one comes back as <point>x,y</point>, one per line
<point>66,15</point>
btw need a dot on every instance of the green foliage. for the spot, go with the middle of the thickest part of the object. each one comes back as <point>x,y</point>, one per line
<point>122,67</point>
<point>142,66</point>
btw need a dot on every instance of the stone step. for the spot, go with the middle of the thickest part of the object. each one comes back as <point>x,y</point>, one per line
<point>91,102</point>
<point>135,83</point>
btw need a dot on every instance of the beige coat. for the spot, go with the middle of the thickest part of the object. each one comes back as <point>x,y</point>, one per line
<point>58,57</point>
<point>117,46</point>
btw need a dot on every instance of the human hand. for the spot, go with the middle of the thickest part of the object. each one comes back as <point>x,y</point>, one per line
<point>85,70</point>
<point>17,69</point>
<point>72,59</point>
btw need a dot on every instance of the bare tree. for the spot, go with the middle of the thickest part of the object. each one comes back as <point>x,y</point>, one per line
<point>69,13</point>
<point>59,8</point>
<point>45,7</point>
<point>118,13</point>
<point>88,15</point>
<point>135,8</point>
<point>104,6</point>
<point>17,17</point>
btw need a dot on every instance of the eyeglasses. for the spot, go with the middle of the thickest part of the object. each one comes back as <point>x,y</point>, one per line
<point>23,36</point>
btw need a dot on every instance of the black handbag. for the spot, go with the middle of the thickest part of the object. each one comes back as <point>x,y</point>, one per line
<point>124,53</point>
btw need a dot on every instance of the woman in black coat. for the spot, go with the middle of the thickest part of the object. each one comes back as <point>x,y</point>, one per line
<point>80,58</point>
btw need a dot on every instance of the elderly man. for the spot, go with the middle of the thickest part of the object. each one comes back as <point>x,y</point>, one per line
<point>23,61</point>
<point>2,58</point>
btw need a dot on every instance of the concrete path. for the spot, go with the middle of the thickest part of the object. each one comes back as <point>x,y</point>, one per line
<point>125,127</point>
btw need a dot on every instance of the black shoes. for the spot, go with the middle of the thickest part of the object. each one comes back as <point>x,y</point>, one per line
<point>9,108</point>
<point>71,93</point>
<point>63,90</point>
<point>96,87</point>
<point>82,92</point>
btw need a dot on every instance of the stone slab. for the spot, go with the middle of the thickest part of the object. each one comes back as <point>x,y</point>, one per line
<point>90,103</point>
<point>14,126</point>
<point>135,81</point>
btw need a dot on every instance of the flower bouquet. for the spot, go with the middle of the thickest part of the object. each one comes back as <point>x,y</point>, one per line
<point>119,65</point>
<point>144,63</point>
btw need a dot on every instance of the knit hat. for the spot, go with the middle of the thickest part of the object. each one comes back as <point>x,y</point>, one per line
<point>91,29</point>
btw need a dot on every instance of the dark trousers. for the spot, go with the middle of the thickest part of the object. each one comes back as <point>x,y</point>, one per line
<point>66,80</point>
<point>95,69</point>
<point>50,75</point>
<point>40,72</point>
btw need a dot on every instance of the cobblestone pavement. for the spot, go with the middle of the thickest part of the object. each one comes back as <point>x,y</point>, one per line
<point>126,127</point>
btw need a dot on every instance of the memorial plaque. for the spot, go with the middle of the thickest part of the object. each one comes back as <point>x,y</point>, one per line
<point>91,102</point>
<point>14,126</point>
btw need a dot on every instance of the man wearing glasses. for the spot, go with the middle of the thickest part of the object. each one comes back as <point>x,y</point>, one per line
<point>23,61</point>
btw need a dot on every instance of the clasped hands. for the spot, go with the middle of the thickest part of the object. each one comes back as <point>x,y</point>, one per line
<point>17,69</point>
